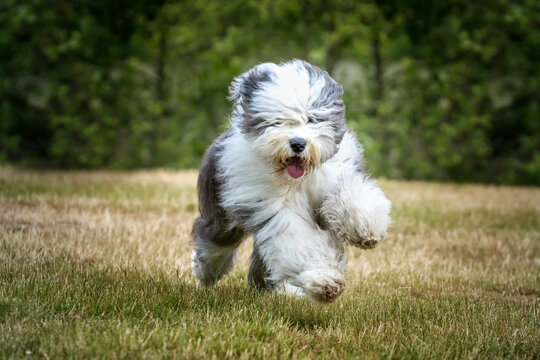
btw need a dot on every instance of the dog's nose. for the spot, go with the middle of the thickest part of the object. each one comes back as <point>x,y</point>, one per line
<point>298,144</point>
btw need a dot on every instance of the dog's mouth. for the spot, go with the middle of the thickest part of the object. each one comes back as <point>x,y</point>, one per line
<point>295,166</point>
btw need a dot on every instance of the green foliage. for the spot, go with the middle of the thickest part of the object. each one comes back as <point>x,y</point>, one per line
<point>445,90</point>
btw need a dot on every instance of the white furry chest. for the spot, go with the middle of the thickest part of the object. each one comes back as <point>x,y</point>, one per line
<point>249,184</point>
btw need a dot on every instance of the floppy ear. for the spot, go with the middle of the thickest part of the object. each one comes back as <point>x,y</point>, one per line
<point>244,86</point>
<point>234,88</point>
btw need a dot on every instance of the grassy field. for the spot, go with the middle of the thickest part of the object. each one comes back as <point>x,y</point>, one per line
<point>96,264</point>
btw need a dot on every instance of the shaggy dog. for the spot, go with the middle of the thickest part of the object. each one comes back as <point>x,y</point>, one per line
<point>290,172</point>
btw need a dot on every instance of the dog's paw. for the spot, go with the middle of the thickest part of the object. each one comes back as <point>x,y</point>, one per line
<point>358,213</point>
<point>364,240</point>
<point>323,286</point>
<point>206,274</point>
<point>205,279</point>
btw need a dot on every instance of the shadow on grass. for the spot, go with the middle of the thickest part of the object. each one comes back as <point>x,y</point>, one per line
<point>63,287</point>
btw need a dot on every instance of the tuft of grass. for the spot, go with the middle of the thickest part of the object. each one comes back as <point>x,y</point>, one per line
<point>96,264</point>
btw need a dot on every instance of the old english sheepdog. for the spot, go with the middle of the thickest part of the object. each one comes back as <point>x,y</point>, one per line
<point>290,172</point>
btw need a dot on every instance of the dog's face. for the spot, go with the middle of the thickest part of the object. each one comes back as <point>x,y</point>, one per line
<point>292,113</point>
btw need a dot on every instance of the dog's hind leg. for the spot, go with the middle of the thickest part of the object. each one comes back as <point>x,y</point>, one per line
<point>216,240</point>
<point>259,277</point>
<point>258,273</point>
<point>215,250</point>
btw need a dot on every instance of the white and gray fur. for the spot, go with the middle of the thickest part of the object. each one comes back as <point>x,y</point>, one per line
<point>300,225</point>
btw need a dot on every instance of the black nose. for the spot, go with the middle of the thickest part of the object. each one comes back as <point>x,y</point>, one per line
<point>298,144</point>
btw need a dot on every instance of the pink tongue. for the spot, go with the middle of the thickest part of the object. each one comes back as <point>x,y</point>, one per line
<point>296,167</point>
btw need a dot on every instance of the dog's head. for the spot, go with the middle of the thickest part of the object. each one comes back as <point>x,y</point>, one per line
<point>292,114</point>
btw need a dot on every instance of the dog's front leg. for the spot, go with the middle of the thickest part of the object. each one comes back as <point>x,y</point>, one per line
<point>356,212</point>
<point>295,252</point>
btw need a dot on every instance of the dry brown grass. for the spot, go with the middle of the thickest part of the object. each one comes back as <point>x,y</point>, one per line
<point>464,241</point>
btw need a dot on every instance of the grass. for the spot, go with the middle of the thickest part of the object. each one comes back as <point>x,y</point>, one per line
<point>96,264</point>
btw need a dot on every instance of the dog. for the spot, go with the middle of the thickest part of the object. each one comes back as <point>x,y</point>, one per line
<point>291,173</point>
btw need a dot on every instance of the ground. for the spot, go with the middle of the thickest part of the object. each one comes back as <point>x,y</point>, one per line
<point>96,264</point>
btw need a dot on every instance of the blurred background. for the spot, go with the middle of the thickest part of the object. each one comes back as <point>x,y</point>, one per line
<point>436,90</point>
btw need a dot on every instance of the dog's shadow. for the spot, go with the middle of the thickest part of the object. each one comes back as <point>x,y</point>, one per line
<point>233,298</point>
<point>296,312</point>
<point>130,293</point>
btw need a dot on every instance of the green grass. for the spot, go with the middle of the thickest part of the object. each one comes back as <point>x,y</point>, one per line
<point>97,265</point>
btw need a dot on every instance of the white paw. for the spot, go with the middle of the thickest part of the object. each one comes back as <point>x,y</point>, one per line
<point>197,269</point>
<point>206,275</point>
<point>322,286</point>
<point>358,213</point>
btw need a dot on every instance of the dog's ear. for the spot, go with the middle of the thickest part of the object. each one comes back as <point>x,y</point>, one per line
<point>244,86</point>
<point>332,89</point>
